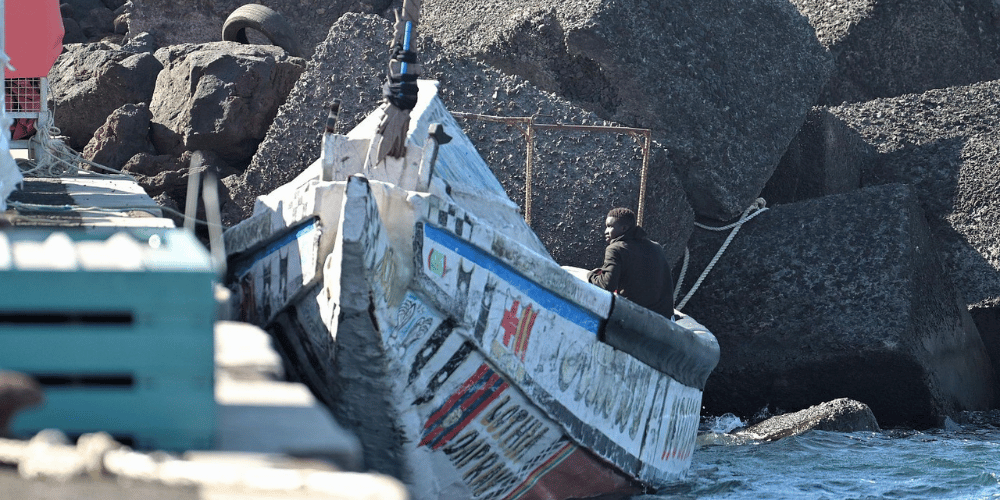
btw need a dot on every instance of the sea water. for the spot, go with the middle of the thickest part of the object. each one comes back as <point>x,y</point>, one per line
<point>960,461</point>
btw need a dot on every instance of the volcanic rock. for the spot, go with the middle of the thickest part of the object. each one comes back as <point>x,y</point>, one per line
<point>840,296</point>
<point>986,314</point>
<point>724,85</point>
<point>72,32</point>
<point>885,48</point>
<point>219,97</point>
<point>97,22</point>
<point>142,42</point>
<point>839,415</point>
<point>946,144</point>
<point>196,21</point>
<point>826,157</point>
<point>165,179</point>
<point>90,81</point>
<point>124,135</point>
<point>93,18</point>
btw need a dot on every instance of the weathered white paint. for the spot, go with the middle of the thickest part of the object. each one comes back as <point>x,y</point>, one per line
<point>278,272</point>
<point>548,346</point>
<point>467,338</point>
<point>284,245</point>
<point>670,444</point>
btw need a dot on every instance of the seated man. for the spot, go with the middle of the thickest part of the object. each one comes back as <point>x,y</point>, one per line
<point>635,267</point>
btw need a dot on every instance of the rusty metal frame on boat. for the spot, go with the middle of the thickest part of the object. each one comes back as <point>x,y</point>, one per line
<point>528,131</point>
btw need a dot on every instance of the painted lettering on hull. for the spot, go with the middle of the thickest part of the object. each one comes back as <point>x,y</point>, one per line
<point>496,442</point>
<point>483,469</point>
<point>546,345</point>
<point>474,395</point>
<point>684,416</point>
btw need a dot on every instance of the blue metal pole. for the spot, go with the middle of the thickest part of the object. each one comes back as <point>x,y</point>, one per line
<point>406,43</point>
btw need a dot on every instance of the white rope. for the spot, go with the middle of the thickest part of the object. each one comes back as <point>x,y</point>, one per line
<point>57,159</point>
<point>758,207</point>
<point>680,278</point>
<point>60,160</point>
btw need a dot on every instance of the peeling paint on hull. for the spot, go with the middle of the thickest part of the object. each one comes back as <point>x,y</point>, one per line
<point>421,308</point>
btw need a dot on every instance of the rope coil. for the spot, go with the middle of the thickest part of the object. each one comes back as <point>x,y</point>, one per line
<point>758,207</point>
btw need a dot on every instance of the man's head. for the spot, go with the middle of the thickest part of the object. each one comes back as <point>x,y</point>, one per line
<point>619,220</point>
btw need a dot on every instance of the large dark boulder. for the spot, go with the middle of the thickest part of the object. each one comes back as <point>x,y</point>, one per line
<point>124,135</point>
<point>90,81</point>
<point>840,296</point>
<point>725,84</point>
<point>219,97</point>
<point>826,157</point>
<point>887,48</point>
<point>165,178</point>
<point>93,19</point>
<point>986,314</point>
<point>97,22</point>
<point>946,143</point>
<point>573,184</point>
<point>142,42</point>
<point>159,174</point>
<point>177,22</point>
<point>72,32</point>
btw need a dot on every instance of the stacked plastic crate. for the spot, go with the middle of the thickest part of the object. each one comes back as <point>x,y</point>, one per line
<point>118,329</point>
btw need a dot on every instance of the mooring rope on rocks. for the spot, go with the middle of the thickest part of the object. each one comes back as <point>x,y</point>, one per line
<point>758,207</point>
<point>58,159</point>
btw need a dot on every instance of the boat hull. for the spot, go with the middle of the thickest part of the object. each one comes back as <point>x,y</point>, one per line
<point>467,361</point>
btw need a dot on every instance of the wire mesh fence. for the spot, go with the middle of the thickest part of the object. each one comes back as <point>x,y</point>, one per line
<point>24,95</point>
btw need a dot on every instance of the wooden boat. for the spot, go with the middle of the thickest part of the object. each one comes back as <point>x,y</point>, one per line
<point>405,288</point>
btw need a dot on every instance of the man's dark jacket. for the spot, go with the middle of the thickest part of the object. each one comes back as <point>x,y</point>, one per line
<point>636,268</point>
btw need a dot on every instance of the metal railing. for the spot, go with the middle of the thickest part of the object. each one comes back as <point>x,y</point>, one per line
<point>527,126</point>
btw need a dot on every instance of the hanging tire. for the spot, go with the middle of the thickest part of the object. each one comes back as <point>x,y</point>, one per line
<point>262,19</point>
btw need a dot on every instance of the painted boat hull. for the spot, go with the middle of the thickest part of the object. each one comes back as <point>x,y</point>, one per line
<point>418,305</point>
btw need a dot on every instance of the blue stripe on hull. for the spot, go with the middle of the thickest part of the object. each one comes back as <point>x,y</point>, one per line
<point>546,299</point>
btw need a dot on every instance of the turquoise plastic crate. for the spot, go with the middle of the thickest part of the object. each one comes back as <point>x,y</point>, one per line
<point>118,329</point>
